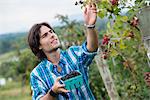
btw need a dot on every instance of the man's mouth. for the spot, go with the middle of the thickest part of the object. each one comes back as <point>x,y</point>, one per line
<point>54,41</point>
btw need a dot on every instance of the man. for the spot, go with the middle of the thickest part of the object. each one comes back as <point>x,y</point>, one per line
<point>45,77</point>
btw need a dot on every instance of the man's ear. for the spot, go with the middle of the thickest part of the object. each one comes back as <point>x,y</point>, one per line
<point>40,47</point>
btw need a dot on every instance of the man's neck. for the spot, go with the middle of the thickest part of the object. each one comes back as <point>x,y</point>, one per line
<point>54,56</point>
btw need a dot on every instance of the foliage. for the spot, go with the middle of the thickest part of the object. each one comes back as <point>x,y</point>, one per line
<point>20,68</point>
<point>72,31</point>
<point>8,69</point>
<point>130,81</point>
<point>96,84</point>
<point>123,48</point>
<point>13,41</point>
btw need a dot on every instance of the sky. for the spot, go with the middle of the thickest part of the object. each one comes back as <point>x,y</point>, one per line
<point>20,15</point>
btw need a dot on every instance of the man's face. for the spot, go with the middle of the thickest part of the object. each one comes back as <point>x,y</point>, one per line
<point>48,40</point>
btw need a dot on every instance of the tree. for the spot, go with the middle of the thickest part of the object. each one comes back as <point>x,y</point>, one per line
<point>70,29</point>
<point>27,62</point>
<point>8,69</point>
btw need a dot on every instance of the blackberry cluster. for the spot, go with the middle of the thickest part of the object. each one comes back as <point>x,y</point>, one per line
<point>147,76</point>
<point>70,75</point>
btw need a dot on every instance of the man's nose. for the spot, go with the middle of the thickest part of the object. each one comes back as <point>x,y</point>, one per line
<point>51,35</point>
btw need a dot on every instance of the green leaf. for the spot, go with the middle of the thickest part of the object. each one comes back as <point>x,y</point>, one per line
<point>102,14</point>
<point>122,45</point>
<point>124,19</point>
<point>116,10</point>
<point>113,53</point>
<point>118,18</point>
<point>118,25</point>
<point>108,25</point>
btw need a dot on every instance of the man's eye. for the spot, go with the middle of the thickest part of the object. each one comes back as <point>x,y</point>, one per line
<point>51,31</point>
<point>44,35</point>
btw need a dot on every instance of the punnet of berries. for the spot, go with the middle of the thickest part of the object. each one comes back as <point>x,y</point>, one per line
<point>70,75</point>
<point>72,80</point>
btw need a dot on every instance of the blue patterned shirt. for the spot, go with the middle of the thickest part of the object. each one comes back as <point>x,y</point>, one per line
<point>45,73</point>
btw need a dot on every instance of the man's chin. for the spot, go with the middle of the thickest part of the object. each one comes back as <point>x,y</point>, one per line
<point>55,48</point>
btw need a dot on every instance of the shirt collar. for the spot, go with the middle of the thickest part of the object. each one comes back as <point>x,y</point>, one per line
<point>49,64</point>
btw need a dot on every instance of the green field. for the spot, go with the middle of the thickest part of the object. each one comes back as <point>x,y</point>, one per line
<point>7,56</point>
<point>14,91</point>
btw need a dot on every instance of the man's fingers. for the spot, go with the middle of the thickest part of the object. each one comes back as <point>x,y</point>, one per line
<point>92,8</point>
<point>94,11</point>
<point>63,90</point>
<point>58,78</point>
<point>88,6</point>
<point>85,10</point>
<point>61,86</point>
<point>93,5</point>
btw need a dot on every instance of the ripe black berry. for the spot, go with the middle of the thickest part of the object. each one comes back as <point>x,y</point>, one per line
<point>70,75</point>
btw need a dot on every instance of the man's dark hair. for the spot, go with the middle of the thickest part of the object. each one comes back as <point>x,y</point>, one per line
<point>34,39</point>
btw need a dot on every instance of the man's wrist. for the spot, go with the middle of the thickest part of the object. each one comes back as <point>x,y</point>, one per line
<point>92,26</point>
<point>52,93</point>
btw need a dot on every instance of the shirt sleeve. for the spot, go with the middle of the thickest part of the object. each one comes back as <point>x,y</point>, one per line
<point>86,56</point>
<point>81,55</point>
<point>37,87</point>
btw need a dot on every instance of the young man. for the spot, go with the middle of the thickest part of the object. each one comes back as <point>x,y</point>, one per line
<point>45,77</point>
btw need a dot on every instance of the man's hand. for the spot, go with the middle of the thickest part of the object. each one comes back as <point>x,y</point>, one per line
<point>90,14</point>
<point>59,88</point>
<point>56,88</point>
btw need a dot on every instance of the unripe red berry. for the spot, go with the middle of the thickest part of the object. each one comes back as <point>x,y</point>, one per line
<point>114,2</point>
<point>131,34</point>
<point>134,22</point>
<point>105,40</point>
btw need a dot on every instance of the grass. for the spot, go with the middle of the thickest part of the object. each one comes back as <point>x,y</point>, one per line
<point>14,91</point>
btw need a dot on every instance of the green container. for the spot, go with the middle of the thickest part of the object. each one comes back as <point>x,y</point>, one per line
<point>74,82</point>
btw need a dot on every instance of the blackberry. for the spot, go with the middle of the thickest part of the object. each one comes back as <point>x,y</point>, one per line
<point>70,75</point>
